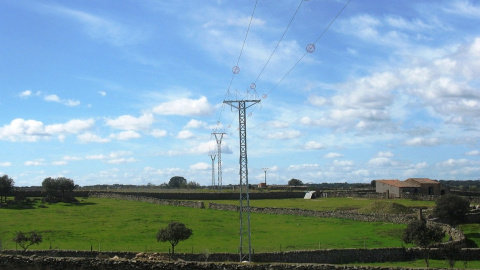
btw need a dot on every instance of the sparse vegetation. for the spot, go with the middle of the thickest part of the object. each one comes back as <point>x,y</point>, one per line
<point>451,208</point>
<point>423,235</point>
<point>385,207</point>
<point>25,240</point>
<point>6,187</point>
<point>174,233</point>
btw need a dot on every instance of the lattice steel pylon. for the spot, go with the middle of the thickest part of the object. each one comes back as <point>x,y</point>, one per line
<point>212,156</point>
<point>219,154</point>
<point>245,248</point>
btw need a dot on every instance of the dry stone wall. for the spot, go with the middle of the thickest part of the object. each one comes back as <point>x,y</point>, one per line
<point>148,200</point>
<point>401,219</point>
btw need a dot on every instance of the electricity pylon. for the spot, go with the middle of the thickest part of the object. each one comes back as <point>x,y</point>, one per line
<point>212,156</point>
<point>245,248</point>
<point>218,138</point>
<point>265,171</point>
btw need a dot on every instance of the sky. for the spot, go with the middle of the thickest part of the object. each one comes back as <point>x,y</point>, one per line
<point>130,92</point>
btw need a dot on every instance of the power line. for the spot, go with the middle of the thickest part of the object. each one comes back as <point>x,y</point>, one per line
<point>309,47</point>
<point>279,41</point>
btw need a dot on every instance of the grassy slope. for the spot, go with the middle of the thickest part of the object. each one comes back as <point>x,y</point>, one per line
<point>132,226</point>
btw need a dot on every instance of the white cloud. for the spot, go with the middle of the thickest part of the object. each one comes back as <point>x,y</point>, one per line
<point>312,145</point>
<point>343,163</point>
<point>201,166</point>
<point>73,126</point>
<point>317,100</point>
<point>185,134</point>
<point>102,93</point>
<point>72,158</point>
<point>25,94</point>
<point>419,141</point>
<point>275,124</point>
<point>332,155</point>
<point>128,122</point>
<point>101,28</point>
<point>126,135</point>
<point>158,133</point>
<point>196,124</point>
<point>473,153</point>
<point>32,130</point>
<point>121,160</point>
<point>60,163</point>
<point>37,162</point>
<point>284,135</point>
<point>89,137</point>
<point>5,164</point>
<point>23,130</point>
<point>96,157</point>
<point>68,102</point>
<point>302,167</point>
<point>185,107</point>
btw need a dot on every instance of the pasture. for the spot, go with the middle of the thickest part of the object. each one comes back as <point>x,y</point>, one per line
<point>116,225</point>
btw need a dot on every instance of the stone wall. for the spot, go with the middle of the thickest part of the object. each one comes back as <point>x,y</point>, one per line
<point>10,262</point>
<point>401,219</point>
<point>146,199</point>
<point>281,260</point>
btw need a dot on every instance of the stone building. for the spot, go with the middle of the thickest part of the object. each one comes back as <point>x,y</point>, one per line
<point>396,189</point>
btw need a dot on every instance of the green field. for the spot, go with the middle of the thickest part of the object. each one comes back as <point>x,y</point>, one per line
<point>117,225</point>
<point>434,264</point>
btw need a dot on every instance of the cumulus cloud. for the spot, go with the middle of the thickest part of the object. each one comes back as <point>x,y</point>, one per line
<point>185,107</point>
<point>200,166</point>
<point>33,130</point>
<point>313,145</point>
<point>37,162</point>
<point>196,124</point>
<point>473,153</point>
<point>128,122</point>
<point>126,135</point>
<point>25,94</point>
<point>419,141</point>
<point>284,135</point>
<point>89,137</point>
<point>332,155</point>
<point>5,164</point>
<point>185,134</point>
<point>66,102</point>
<point>73,126</point>
<point>158,133</point>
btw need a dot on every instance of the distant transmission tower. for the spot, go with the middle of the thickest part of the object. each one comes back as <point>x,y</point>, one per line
<point>212,156</point>
<point>245,248</point>
<point>218,138</point>
<point>265,171</point>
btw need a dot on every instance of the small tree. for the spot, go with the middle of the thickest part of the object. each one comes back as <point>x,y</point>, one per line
<point>6,186</point>
<point>177,182</point>
<point>174,233</point>
<point>65,185</point>
<point>295,182</point>
<point>25,240</point>
<point>451,208</point>
<point>423,235</point>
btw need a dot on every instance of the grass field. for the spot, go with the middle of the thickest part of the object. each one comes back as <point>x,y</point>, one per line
<point>326,204</point>
<point>131,226</point>
<point>434,264</point>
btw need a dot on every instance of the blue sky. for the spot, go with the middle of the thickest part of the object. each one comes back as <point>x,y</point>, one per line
<point>129,92</point>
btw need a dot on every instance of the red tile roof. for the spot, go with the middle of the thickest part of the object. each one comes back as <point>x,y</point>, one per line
<point>409,183</point>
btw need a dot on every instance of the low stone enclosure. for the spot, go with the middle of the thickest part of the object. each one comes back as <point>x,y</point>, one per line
<point>56,259</point>
<point>15,262</point>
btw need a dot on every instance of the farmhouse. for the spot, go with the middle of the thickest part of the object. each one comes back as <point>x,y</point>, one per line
<point>396,189</point>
